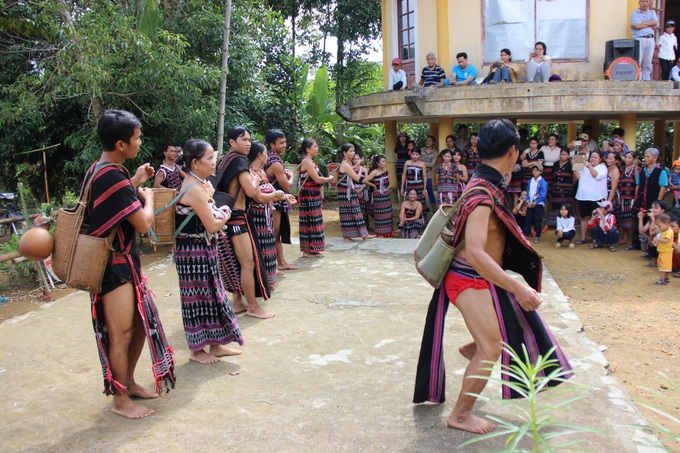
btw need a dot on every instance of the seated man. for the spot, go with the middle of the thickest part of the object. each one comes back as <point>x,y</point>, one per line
<point>432,75</point>
<point>463,74</point>
<point>675,71</point>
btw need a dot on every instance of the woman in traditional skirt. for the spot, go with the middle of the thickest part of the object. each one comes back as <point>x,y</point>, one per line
<point>414,177</point>
<point>515,184</point>
<point>208,317</point>
<point>562,189</point>
<point>351,219</point>
<point>411,216</point>
<point>626,217</point>
<point>381,204</point>
<point>471,155</point>
<point>312,242</point>
<point>261,213</point>
<point>551,154</point>
<point>361,189</point>
<point>169,174</point>
<point>446,179</point>
<point>463,175</point>
<point>531,156</point>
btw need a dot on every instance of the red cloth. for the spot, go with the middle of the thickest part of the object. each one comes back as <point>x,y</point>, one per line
<point>456,284</point>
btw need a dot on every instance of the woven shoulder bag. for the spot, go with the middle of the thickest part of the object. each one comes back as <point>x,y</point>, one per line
<point>80,260</point>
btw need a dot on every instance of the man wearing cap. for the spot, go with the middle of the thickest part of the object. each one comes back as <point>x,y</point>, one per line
<point>581,146</point>
<point>432,75</point>
<point>668,44</point>
<point>643,21</point>
<point>588,129</point>
<point>463,73</point>
<point>397,76</point>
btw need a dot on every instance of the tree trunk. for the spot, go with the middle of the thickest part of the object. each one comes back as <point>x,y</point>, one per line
<point>223,81</point>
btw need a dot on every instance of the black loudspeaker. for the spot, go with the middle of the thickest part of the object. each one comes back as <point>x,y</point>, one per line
<point>617,48</point>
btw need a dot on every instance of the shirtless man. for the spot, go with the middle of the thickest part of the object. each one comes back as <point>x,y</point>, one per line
<point>493,243</point>
<point>280,179</point>
<point>250,278</point>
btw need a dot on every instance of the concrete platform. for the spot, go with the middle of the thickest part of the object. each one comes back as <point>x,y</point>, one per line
<point>334,371</point>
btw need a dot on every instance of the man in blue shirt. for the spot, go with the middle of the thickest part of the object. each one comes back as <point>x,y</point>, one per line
<point>463,74</point>
<point>643,21</point>
<point>433,75</point>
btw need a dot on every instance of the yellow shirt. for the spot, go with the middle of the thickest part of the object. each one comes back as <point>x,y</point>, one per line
<point>665,246</point>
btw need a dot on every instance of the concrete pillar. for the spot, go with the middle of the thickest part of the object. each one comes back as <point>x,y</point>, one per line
<point>390,143</point>
<point>443,39</point>
<point>571,132</point>
<point>386,43</point>
<point>445,128</point>
<point>628,122</point>
<point>676,140</point>
<point>660,138</point>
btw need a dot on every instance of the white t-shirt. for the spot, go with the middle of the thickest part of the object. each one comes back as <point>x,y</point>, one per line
<point>565,224</point>
<point>667,44</point>
<point>397,76</point>
<point>592,189</point>
<point>675,73</point>
<point>546,59</point>
<point>551,156</point>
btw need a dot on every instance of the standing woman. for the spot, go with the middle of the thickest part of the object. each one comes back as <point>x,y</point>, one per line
<point>361,189</point>
<point>261,213</point>
<point>551,154</point>
<point>312,241</point>
<point>351,219</point>
<point>414,177</point>
<point>562,189</point>
<point>207,315</point>
<point>530,156</point>
<point>626,217</point>
<point>429,155</point>
<point>463,176</point>
<point>613,162</point>
<point>402,152</point>
<point>592,188</point>
<point>446,179</point>
<point>381,203</point>
<point>471,155</point>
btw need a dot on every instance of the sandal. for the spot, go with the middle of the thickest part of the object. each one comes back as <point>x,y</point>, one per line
<point>661,282</point>
<point>632,247</point>
<point>676,275</point>
<point>595,246</point>
<point>612,248</point>
<point>580,242</point>
<point>650,264</point>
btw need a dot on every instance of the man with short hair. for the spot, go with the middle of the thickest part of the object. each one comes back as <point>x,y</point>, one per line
<point>432,75</point>
<point>652,183</point>
<point>588,129</point>
<point>643,21</point>
<point>496,307</point>
<point>397,76</point>
<point>462,140</point>
<point>281,179</point>
<point>463,73</point>
<point>123,312</point>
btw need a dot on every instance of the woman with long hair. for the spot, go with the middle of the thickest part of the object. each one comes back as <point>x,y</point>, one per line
<point>381,204</point>
<point>351,218</point>
<point>312,241</point>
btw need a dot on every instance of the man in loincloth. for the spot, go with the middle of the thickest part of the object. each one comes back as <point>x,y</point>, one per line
<point>495,306</point>
<point>124,313</point>
<point>281,179</point>
<point>244,273</point>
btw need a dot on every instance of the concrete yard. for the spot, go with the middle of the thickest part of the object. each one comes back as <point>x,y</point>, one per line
<point>333,371</point>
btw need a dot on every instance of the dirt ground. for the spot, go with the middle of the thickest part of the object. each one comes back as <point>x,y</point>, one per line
<point>634,321</point>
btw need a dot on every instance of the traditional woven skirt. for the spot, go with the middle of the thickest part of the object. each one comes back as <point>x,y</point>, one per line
<point>627,216</point>
<point>351,218</point>
<point>208,318</point>
<point>229,267</point>
<point>409,230</point>
<point>264,225</point>
<point>311,219</point>
<point>382,213</point>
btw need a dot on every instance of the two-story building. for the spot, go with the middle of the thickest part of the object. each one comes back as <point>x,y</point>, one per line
<point>576,33</point>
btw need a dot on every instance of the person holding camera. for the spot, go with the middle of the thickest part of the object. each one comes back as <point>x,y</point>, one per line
<point>503,71</point>
<point>592,187</point>
<point>602,226</point>
<point>538,64</point>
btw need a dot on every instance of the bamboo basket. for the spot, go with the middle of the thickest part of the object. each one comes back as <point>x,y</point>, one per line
<point>164,221</point>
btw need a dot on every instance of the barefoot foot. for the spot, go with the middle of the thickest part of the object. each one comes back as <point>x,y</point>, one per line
<point>312,255</point>
<point>124,406</point>
<point>288,267</point>
<point>279,272</point>
<point>259,313</point>
<point>468,350</point>
<point>238,306</point>
<point>221,351</point>
<point>471,424</point>
<point>203,357</point>
<point>347,239</point>
<point>137,391</point>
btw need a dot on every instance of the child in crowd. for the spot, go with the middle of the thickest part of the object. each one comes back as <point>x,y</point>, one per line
<point>675,226</point>
<point>648,230</point>
<point>602,226</point>
<point>664,245</point>
<point>169,174</point>
<point>520,209</point>
<point>565,226</point>
<point>537,193</point>
<point>674,182</point>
